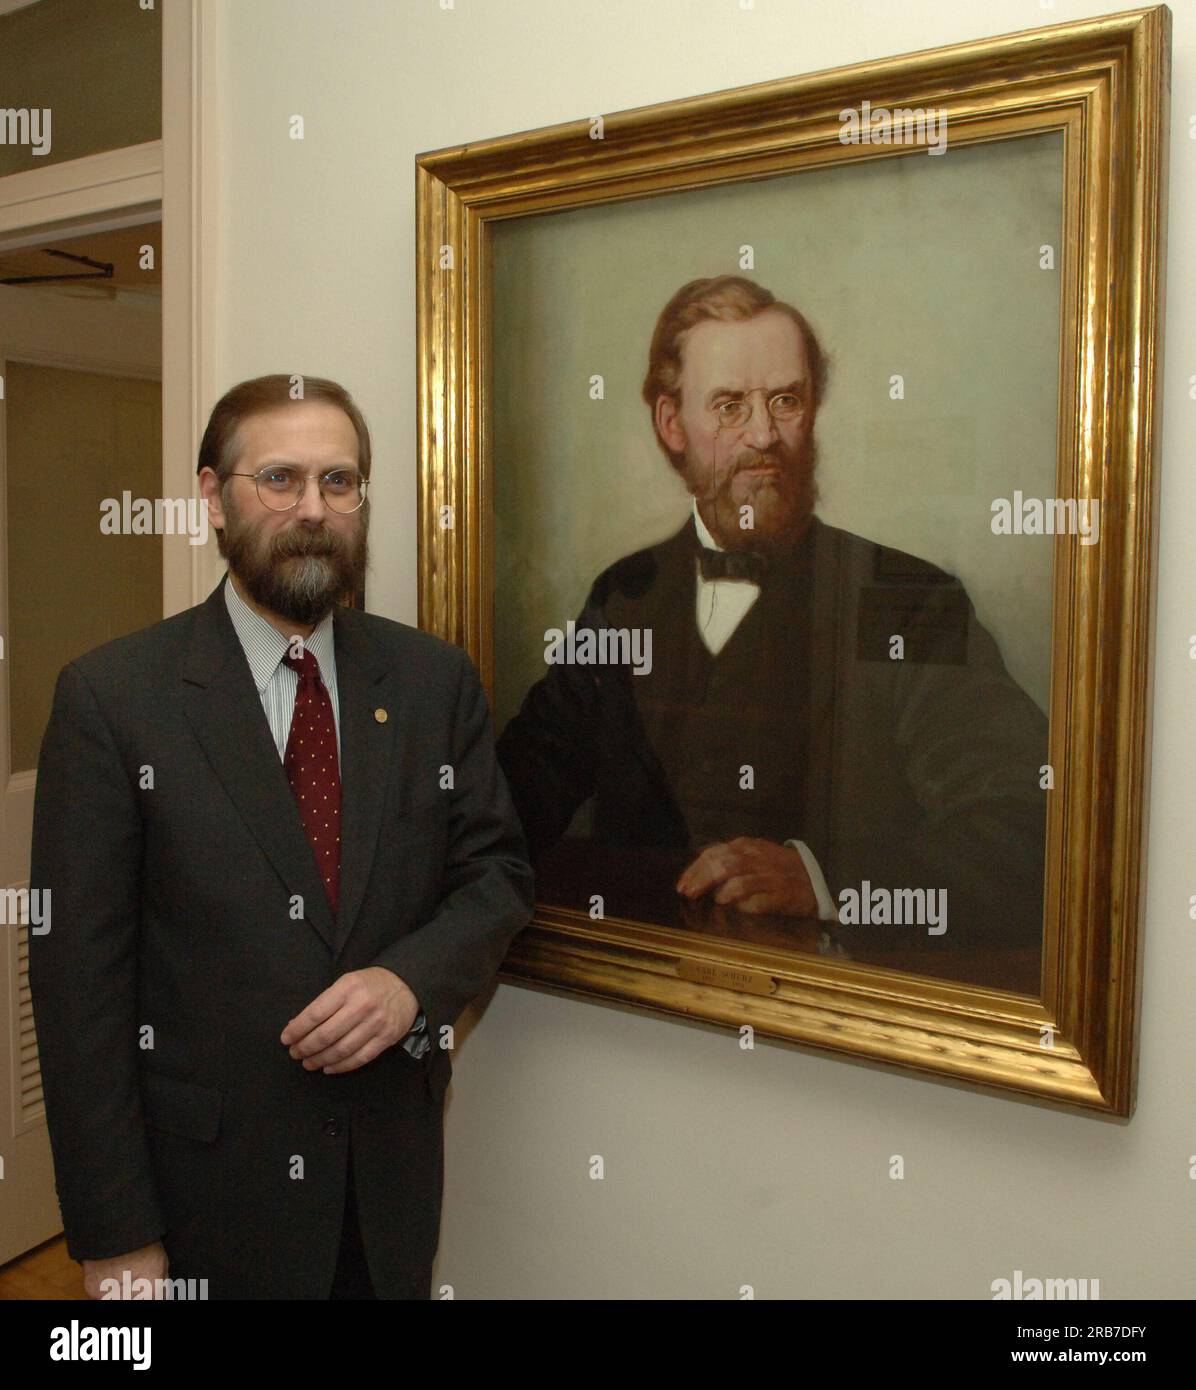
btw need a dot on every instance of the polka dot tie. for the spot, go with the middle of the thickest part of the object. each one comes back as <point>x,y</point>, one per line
<point>313,770</point>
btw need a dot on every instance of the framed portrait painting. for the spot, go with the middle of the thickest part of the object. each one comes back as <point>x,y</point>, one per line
<point>787,468</point>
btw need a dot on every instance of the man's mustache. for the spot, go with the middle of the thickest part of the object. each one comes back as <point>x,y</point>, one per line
<point>774,456</point>
<point>301,541</point>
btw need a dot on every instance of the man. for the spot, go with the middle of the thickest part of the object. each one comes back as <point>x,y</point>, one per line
<point>282,860</point>
<point>823,716</point>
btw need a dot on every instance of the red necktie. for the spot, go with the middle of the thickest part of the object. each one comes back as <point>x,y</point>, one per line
<point>313,770</point>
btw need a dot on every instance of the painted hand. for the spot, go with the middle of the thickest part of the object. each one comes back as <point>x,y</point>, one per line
<point>753,876</point>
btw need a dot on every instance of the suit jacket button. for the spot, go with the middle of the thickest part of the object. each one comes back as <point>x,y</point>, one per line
<point>333,1129</point>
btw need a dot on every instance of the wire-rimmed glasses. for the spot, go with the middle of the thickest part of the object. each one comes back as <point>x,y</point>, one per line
<point>280,487</point>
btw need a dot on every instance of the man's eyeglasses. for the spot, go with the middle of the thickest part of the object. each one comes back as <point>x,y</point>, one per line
<point>281,488</point>
<point>735,414</point>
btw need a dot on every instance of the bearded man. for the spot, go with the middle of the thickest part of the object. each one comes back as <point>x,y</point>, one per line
<point>822,717</point>
<point>282,860</point>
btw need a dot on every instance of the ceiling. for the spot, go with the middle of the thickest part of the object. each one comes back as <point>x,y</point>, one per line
<point>121,249</point>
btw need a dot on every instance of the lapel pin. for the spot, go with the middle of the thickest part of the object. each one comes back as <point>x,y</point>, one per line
<point>380,716</point>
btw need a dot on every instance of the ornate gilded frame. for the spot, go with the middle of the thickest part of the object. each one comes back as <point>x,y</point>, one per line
<point>1105,84</point>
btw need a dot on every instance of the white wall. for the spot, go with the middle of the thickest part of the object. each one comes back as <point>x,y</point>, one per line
<point>722,1167</point>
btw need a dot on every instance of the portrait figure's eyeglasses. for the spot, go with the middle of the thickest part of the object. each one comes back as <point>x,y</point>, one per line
<point>735,413</point>
<point>280,488</point>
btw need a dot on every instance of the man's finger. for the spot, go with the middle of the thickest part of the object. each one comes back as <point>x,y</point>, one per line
<point>325,1034</point>
<point>342,1048</point>
<point>322,1007</point>
<point>366,1053</point>
<point>743,886</point>
<point>715,863</point>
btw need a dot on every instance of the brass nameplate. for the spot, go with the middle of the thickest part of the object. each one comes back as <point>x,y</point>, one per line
<point>705,972</point>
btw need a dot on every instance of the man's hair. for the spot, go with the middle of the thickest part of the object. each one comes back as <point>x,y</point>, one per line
<point>728,299</point>
<point>218,449</point>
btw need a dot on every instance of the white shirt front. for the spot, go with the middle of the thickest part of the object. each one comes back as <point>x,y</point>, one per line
<point>721,604</point>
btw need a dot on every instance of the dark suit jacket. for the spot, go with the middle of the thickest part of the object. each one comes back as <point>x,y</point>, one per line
<point>915,773</point>
<point>171,843</point>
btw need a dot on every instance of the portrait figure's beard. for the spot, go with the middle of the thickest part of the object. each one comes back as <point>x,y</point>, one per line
<point>781,505</point>
<point>299,573</point>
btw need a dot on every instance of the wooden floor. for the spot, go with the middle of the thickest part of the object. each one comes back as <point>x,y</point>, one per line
<point>45,1272</point>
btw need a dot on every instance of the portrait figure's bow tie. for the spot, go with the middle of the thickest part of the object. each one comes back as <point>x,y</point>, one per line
<point>732,564</point>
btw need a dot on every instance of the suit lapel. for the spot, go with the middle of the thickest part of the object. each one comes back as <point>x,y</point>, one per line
<point>367,744</point>
<point>828,633</point>
<point>224,709</point>
<point>666,608</point>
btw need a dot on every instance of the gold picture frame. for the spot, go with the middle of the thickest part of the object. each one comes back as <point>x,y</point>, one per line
<point>1104,84</point>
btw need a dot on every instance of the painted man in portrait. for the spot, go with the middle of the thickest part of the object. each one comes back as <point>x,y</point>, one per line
<point>824,747</point>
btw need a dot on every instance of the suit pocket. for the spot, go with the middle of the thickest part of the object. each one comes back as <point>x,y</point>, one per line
<point>181,1107</point>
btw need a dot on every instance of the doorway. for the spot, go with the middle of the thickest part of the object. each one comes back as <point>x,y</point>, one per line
<point>106,380</point>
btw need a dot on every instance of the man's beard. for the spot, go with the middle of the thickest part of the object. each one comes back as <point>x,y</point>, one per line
<point>301,572</point>
<point>781,506</point>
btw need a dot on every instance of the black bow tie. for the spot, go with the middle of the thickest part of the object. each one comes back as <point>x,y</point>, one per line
<point>732,564</point>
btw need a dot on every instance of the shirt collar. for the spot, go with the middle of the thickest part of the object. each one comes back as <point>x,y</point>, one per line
<point>265,646</point>
<point>703,531</point>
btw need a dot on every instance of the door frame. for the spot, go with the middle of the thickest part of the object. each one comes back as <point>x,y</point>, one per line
<point>174,178</point>
<point>124,187</point>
